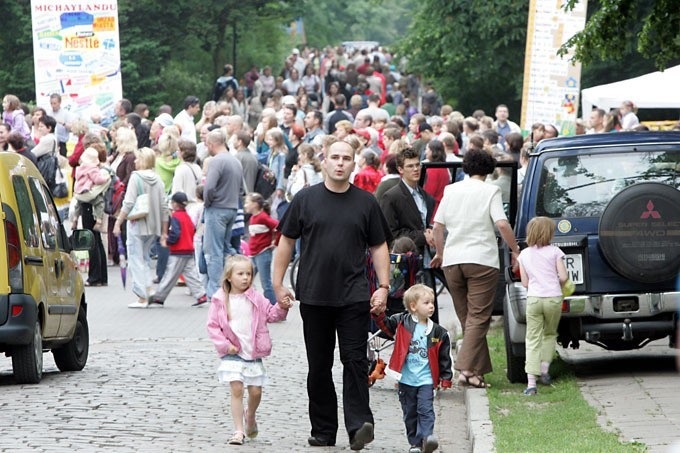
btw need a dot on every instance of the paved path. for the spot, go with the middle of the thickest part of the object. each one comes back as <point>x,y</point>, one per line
<point>150,386</point>
<point>635,392</point>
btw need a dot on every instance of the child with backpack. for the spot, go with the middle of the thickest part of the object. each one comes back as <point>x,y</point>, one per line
<point>180,241</point>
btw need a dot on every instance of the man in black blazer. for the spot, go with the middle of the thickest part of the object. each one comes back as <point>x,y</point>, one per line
<point>408,210</point>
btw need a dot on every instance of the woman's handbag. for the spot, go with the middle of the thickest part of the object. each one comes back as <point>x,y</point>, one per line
<point>60,189</point>
<point>141,207</point>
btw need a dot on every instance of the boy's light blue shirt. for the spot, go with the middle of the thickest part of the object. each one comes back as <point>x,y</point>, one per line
<point>416,370</point>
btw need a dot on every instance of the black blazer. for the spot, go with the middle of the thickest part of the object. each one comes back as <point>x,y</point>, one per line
<point>402,214</point>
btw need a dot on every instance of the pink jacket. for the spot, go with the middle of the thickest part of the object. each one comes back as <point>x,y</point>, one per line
<point>87,176</point>
<point>221,334</point>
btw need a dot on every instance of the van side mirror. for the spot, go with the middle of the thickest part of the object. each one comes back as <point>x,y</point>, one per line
<point>82,240</point>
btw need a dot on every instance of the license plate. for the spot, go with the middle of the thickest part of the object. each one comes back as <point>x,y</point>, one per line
<point>574,265</point>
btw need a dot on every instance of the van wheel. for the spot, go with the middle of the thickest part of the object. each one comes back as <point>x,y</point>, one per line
<point>515,365</point>
<point>27,360</point>
<point>73,355</point>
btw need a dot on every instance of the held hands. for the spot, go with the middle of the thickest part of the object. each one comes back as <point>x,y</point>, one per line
<point>284,297</point>
<point>379,301</point>
<point>286,303</point>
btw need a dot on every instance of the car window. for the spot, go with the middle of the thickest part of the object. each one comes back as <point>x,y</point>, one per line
<point>582,186</point>
<point>28,218</point>
<point>49,223</point>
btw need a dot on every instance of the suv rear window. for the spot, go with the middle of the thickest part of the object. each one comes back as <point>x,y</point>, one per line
<point>581,186</point>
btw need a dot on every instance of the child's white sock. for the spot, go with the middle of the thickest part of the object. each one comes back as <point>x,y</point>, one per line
<point>544,367</point>
<point>531,380</point>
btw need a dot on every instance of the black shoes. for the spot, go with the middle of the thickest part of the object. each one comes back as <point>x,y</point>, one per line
<point>317,442</point>
<point>362,436</point>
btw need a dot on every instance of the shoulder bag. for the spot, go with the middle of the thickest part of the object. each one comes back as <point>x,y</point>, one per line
<point>141,207</point>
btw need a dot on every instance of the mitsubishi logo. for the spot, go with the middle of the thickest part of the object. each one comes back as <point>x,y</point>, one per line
<point>650,212</point>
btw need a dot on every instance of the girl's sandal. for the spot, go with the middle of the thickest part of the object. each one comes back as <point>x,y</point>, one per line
<point>237,438</point>
<point>251,426</point>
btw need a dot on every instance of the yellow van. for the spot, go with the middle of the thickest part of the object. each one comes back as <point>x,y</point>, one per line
<point>42,297</point>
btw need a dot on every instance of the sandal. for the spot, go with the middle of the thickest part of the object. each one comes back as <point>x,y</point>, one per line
<point>251,426</point>
<point>237,438</point>
<point>480,384</point>
<point>530,391</point>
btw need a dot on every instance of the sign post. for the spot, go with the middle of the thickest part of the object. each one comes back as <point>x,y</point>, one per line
<point>77,54</point>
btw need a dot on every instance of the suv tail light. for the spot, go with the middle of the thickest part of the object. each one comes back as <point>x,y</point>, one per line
<point>16,280</point>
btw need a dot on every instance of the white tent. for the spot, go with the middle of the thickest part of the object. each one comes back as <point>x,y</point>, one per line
<point>658,90</point>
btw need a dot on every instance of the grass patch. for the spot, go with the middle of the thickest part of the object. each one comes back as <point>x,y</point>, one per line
<point>558,419</point>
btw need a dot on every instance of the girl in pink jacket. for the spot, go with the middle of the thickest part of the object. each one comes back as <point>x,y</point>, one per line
<point>237,325</point>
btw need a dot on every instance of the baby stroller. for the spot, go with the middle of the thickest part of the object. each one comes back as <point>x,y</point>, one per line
<point>405,271</point>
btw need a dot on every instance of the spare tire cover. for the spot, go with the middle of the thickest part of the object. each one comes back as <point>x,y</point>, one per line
<point>640,232</point>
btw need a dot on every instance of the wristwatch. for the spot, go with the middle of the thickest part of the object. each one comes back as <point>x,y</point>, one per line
<point>387,287</point>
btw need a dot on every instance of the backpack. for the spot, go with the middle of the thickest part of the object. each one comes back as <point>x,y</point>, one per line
<point>265,181</point>
<point>113,197</point>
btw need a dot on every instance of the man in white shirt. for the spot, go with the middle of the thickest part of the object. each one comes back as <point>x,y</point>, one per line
<point>63,118</point>
<point>185,118</point>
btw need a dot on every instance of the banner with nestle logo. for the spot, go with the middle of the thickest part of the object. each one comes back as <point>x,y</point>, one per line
<point>77,55</point>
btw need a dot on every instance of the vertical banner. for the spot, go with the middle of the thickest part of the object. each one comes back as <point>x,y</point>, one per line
<point>76,54</point>
<point>551,83</point>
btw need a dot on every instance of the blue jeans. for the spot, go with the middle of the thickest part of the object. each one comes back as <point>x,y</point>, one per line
<point>263,263</point>
<point>217,244</point>
<point>418,408</point>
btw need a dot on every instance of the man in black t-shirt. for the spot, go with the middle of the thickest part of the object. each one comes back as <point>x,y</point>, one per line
<point>336,223</point>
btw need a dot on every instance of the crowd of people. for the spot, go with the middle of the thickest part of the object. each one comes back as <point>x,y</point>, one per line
<point>339,137</point>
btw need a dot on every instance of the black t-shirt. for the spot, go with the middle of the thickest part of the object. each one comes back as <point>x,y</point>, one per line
<point>336,230</point>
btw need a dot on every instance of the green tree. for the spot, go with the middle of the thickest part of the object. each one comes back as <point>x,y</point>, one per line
<point>472,50</point>
<point>614,24</point>
<point>16,50</point>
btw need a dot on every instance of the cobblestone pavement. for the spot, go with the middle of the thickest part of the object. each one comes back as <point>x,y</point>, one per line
<point>150,386</point>
<point>634,392</point>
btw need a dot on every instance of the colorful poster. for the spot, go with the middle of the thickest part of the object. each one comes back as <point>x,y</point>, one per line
<point>551,83</point>
<point>76,54</point>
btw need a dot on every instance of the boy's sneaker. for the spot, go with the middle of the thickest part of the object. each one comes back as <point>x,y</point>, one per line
<point>200,301</point>
<point>362,436</point>
<point>414,449</point>
<point>430,444</point>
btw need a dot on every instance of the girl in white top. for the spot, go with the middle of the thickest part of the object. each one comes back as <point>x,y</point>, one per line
<point>306,173</point>
<point>543,273</point>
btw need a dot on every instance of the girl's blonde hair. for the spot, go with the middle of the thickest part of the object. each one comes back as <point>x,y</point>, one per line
<point>259,201</point>
<point>415,293</point>
<point>13,102</point>
<point>540,231</point>
<point>226,275</point>
<point>79,126</point>
<point>309,154</point>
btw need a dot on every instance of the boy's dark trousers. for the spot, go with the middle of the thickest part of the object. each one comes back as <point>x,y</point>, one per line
<point>417,404</point>
<point>320,324</point>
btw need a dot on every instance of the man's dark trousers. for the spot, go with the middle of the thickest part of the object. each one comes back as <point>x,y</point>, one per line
<point>320,324</point>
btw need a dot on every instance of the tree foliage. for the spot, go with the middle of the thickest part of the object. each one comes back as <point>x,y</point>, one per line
<point>473,50</point>
<point>616,23</point>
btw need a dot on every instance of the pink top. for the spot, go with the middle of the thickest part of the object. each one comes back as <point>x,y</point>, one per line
<point>540,265</point>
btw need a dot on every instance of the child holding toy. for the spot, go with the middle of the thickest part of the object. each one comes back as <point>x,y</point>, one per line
<point>237,325</point>
<point>421,361</point>
<point>543,273</point>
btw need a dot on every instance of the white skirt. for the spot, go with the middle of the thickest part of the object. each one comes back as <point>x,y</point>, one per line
<point>235,368</point>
